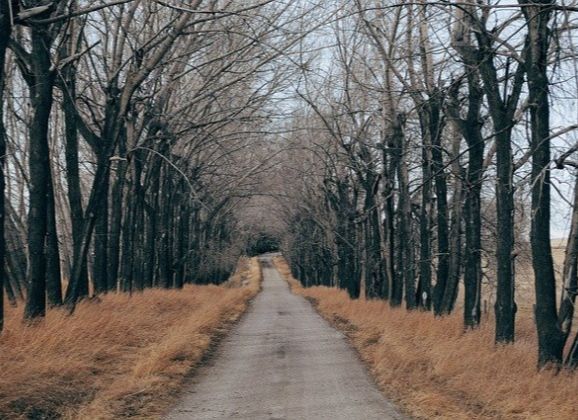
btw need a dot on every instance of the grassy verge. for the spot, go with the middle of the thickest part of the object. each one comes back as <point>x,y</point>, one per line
<point>432,369</point>
<point>124,356</point>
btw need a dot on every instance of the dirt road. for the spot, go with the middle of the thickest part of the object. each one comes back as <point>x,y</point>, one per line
<point>283,361</point>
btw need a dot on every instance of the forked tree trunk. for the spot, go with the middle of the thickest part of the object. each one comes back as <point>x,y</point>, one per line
<point>502,112</point>
<point>471,130</point>
<point>98,194</point>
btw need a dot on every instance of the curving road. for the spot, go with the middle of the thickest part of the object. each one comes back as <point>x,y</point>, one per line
<point>283,361</point>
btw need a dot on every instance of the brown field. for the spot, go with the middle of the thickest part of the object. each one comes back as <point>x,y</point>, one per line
<point>525,294</point>
<point>124,356</point>
<point>432,369</point>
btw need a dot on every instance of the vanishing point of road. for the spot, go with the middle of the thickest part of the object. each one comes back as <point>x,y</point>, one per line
<point>283,361</point>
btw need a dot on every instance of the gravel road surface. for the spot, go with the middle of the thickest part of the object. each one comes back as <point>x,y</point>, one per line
<point>283,361</point>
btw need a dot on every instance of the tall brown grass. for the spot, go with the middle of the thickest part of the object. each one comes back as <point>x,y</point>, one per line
<point>433,369</point>
<point>124,356</point>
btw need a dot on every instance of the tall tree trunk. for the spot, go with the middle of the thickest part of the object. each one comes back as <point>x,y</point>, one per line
<point>15,257</point>
<point>116,216</point>
<point>72,170</point>
<point>394,281</point>
<point>456,256</point>
<point>53,272</point>
<point>133,203</point>
<point>153,232</point>
<point>376,283</point>
<point>134,229</point>
<point>166,237</point>
<point>472,132</point>
<point>441,190</point>
<point>570,283</point>
<point>182,224</point>
<point>502,113</point>
<point>100,265</point>
<point>455,238</point>
<point>397,250</point>
<point>505,306</point>
<point>5,29</point>
<point>39,166</point>
<point>394,284</point>
<point>550,337</point>
<point>128,229</point>
<point>113,134</point>
<point>98,194</point>
<point>405,251</point>
<point>425,273</point>
<point>348,277</point>
<point>502,106</point>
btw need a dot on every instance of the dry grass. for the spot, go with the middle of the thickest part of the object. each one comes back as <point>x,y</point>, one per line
<point>432,369</point>
<point>125,356</point>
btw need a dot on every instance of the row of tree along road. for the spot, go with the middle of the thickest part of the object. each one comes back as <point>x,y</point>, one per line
<point>392,148</point>
<point>435,139</point>
<point>127,138</point>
